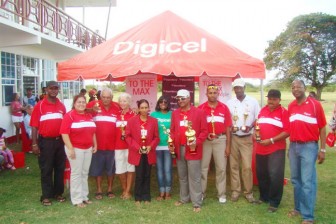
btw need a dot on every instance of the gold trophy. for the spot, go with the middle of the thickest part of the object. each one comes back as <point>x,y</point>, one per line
<point>97,104</point>
<point>257,131</point>
<point>191,138</point>
<point>243,128</point>
<point>143,147</point>
<point>122,128</point>
<point>235,119</point>
<point>213,134</point>
<point>170,141</point>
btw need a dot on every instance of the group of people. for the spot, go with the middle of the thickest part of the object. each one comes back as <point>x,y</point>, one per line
<point>103,136</point>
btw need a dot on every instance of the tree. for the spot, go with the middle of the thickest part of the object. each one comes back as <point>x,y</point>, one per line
<point>305,50</point>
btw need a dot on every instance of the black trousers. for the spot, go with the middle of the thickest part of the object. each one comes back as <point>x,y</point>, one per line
<point>270,173</point>
<point>142,180</point>
<point>52,165</point>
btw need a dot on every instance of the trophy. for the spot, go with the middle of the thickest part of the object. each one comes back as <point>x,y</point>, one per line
<point>243,128</point>
<point>257,131</point>
<point>213,134</point>
<point>170,141</point>
<point>191,138</point>
<point>143,147</point>
<point>122,128</point>
<point>97,104</point>
<point>235,119</point>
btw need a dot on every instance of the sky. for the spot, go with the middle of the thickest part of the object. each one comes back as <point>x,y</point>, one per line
<point>246,24</point>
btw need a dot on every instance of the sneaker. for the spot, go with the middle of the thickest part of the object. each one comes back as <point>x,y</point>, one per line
<point>222,200</point>
<point>250,199</point>
<point>272,209</point>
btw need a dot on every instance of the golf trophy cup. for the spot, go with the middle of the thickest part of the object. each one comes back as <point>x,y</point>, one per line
<point>170,141</point>
<point>213,134</point>
<point>257,131</point>
<point>143,147</point>
<point>191,136</point>
<point>97,104</point>
<point>122,128</point>
<point>235,119</point>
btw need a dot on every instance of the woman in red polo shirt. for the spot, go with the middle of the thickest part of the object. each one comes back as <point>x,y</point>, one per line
<point>142,137</point>
<point>78,132</point>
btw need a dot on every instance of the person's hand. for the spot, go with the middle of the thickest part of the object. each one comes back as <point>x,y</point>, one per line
<point>211,136</point>
<point>192,146</point>
<point>265,142</point>
<point>36,149</point>
<point>247,130</point>
<point>148,149</point>
<point>94,149</point>
<point>321,157</point>
<point>71,154</point>
<point>227,152</point>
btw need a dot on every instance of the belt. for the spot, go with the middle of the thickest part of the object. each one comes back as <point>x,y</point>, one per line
<point>243,136</point>
<point>302,142</point>
<point>51,138</point>
<point>221,134</point>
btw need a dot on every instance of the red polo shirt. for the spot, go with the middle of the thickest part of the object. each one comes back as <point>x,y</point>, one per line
<point>271,124</point>
<point>221,117</point>
<point>121,144</point>
<point>306,120</point>
<point>106,125</point>
<point>80,128</point>
<point>47,117</point>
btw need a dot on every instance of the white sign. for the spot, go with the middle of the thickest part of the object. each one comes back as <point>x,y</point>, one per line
<point>224,87</point>
<point>143,86</point>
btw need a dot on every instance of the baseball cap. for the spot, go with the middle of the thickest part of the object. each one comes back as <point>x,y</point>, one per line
<point>274,93</point>
<point>238,82</point>
<point>52,83</point>
<point>183,93</point>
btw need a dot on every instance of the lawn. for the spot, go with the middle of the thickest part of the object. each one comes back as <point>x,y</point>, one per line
<point>20,192</point>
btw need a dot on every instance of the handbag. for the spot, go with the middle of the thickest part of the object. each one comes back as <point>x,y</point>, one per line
<point>330,140</point>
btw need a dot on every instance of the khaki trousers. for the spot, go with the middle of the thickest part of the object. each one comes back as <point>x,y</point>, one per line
<point>241,152</point>
<point>215,148</point>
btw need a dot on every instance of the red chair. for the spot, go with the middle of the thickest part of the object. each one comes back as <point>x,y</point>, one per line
<point>25,141</point>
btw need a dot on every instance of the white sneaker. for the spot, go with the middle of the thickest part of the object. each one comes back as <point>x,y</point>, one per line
<point>222,200</point>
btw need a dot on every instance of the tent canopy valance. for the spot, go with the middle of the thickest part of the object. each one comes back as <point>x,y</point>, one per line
<point>163,45</point>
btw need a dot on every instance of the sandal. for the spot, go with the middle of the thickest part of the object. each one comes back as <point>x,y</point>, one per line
<point>293,213</point>
<point>161,197</point>
<point>80,205</point>
<point>179,203</point>
<point>197,209</point>
<point>98,195</point>
<point>60,198</point>
<point>110,194</point>
<point>168,196</point>
<point>126,196</point>
<point>46,202</point>
<point>87,202</point>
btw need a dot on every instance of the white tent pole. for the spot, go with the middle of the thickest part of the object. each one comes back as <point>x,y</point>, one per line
<point>108,19</point>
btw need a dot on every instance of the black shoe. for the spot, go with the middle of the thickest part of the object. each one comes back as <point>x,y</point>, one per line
<point>272,209</point>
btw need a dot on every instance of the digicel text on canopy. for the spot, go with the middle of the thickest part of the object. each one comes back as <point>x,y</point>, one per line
<point>151,49</point>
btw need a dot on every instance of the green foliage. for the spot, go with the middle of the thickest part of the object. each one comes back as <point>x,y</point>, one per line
<point>305,50</point>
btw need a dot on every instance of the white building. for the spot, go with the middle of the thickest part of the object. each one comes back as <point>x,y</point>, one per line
<point>34,36</point>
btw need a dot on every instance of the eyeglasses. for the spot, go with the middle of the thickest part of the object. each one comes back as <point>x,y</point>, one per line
<point>163,101</point>
<point>181,99</point>
<point>213,87</point>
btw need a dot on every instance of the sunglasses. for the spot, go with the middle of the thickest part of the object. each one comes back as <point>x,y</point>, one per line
<point>163,101</point>
<point>213,87</point>
<point>181,99</point>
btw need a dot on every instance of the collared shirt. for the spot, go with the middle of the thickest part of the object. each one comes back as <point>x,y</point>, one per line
<point>106,125</point>
<point>219,119</point>
<point>164,121</point>
<point>249,106</point>
<point>122,122</point>
<point>80,128</point>
<point>306,120</point>
<point>47,117</point>
<point>29,101</point>
<point>271,124</point>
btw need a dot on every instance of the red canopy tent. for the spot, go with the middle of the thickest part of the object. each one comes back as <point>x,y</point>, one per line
<point>163,45</point>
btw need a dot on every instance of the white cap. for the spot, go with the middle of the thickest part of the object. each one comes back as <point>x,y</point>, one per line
<point>183,93</point>
<point>238,82</point>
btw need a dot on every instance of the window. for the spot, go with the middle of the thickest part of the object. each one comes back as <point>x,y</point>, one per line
<point>8,79</point>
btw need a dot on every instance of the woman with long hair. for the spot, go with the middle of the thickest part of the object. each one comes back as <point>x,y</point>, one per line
<point>17,116</point>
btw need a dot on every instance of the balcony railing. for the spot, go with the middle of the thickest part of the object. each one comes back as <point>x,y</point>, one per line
<point>44,17</point>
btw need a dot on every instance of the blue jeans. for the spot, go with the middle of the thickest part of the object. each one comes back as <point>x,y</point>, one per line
<point>302,159</point>
<point>164,170</point>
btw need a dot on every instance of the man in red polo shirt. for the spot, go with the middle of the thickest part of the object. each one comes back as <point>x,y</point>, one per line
<point>188,131</point>
<point>271,150</point>
<point>47,143</point>
<point>217,143</point>
<point>105,117</point>
<point>307,126</point>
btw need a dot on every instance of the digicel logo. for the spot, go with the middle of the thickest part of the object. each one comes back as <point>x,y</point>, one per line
<point>151,49</point>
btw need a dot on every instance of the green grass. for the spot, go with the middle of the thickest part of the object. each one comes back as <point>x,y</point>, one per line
<point>20,192</point>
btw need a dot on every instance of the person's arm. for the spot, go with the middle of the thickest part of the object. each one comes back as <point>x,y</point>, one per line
<point>321,155</point>
<point>35,147</point>
<point>228,142</point>
<point>94,148</point>
<point>68,144</point>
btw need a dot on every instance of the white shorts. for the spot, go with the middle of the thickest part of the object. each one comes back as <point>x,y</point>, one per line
<point>121,162</point>
<point>17,119</point>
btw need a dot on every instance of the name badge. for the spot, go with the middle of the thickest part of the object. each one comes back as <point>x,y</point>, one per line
<point>144,132</point>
